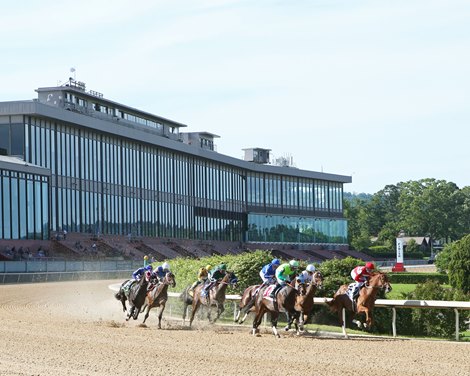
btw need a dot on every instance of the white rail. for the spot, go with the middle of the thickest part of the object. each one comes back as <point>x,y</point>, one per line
<point>393,304</point>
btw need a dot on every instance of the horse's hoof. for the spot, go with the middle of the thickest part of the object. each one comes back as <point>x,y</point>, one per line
<point>286,328</point>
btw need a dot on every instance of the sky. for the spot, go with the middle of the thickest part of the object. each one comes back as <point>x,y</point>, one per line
<point>373,89</point>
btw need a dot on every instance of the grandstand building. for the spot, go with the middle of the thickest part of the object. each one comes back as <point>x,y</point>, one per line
<point>72,160</point>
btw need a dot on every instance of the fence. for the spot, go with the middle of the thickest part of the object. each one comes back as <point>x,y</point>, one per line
<point>55,271</point>
<point>393,304</point>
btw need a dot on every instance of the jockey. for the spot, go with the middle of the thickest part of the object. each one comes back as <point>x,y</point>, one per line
<point>267,273</point>
<point>361,275</point>
<point>139,273</point>
<point>202,276</point>
<point>160,272</point>
<point>215,275</point>
<point>136,276</point>
<point>307,274</point>
<point>284,274</point>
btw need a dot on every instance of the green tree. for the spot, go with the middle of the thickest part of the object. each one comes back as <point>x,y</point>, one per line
<point>431,207</point>
<point>358,234</point>
<point>382,210</point>
<point>443,258</point>
<point>459,265</point>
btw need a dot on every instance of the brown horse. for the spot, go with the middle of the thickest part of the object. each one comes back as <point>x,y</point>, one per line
<point>285,302</point>
<point>157,297</point>
<point>365,301</point>
<point>135,295</point>
<point>215,297</point>
<point>247,303</point>
<point>304,302</point>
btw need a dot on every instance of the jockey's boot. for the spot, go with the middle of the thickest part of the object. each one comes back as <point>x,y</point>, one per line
<point>275,290</point>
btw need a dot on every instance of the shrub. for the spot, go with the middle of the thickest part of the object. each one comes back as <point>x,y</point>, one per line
<point>415,278</point>
<point>431,322</point>
<point>459,265</point>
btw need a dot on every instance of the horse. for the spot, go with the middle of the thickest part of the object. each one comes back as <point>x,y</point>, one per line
<point>215,297</point>
<point>136,296</point>
<point>365,301</point>
<point>285,302</point>
<point>157,296</point>
<point>304,302</point>
<point>187,299</point>
<point>247,303</point>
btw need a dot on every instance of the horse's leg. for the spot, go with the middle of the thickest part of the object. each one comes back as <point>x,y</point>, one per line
<point>220,310</point>
<point>301,322</point>
<point>196,304</point>
<point>136,313</point>
<point>274,318</point>
<point>290,320</point>
<point>185,309</point>
<point>237,316</point>
<point>160,315</point>
<point>130,313</point>
<point>257,319</point>
<point>368,323</point>
<point>147,311</point>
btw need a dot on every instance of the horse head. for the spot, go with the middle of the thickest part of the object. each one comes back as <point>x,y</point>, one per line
<point>317,280</point>
<point>232,279</point>
<point>169,279</point>
<point>300,286</point>
<point>381,281</point>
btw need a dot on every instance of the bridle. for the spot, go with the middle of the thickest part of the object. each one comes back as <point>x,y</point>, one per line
<point>169,281</point>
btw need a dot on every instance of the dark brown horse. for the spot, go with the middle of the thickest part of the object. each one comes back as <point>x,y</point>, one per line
<point>135,295</point>
<point>285,302</point>
<point>304,302</point>
<point>157,297</point>
<point>365,301</point>
<point>215,297</point>
<point>247,303</point>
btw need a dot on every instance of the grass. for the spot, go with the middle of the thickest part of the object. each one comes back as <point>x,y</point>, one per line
<point>400,288</point>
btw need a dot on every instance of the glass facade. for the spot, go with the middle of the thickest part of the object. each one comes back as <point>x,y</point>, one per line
<point>104,183</point>
<point>287,209</point>
<point>24,205</point>
<point>296,230</point>
<point>111,185</point>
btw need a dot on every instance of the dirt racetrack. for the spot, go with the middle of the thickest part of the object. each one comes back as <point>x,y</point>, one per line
<point>77,328</point>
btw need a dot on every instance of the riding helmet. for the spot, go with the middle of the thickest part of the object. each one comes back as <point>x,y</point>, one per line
<point>370,265</point>
<point>276,262</point>
<point>294,264</point>
<point>165,266</point>
<point>310,268</point>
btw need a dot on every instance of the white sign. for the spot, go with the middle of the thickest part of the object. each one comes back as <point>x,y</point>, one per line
<point>400,250</point>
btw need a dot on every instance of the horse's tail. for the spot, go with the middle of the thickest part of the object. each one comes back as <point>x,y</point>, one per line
<point>186,297</point>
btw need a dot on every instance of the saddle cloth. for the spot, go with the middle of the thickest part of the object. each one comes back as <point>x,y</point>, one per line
<point>267,291</point>
<point>351,290</point>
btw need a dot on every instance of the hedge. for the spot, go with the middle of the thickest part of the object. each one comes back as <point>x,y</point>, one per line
<point>415,278</point>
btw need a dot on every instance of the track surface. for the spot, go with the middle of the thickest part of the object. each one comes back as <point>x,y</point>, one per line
<point>77,328</point>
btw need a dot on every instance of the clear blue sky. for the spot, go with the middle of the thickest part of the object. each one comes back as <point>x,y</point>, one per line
<point>378,90</point>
